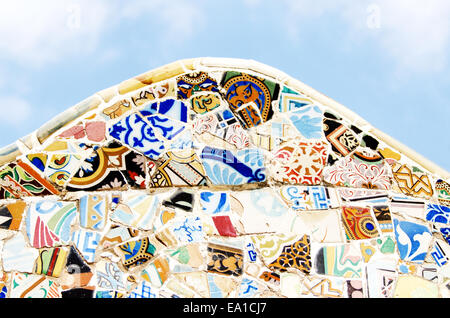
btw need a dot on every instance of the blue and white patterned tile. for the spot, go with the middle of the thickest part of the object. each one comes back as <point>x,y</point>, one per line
<point>171,108</point>
<point>144,290</point>
<point>413,240</point>
<point>224,167</point>
<point>139,135</point>
<point>188,230</point>
<point>308,121</point>
<point>302,198</point>
<point>214,202</point>
<point>440,253</point>
<point>249,288</point>
<point>437,213</point>
<point>165,127</point>
<point>86,242</point>
<point>109,276</point>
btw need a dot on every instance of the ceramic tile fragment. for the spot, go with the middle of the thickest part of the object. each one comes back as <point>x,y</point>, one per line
<point>339,260</point>
<point>4,285</point>
<point>249,288</point>
<point>192,83</point>
<point>214,202</point>
<point>325,226</point>
<point>299,162</point>
<point>249,97</point>
<point>117,234</point>
<point>157,272</point>
<point>86,241</point>
<point>221,286</point>
<point>342,139</point>
<point>93,211</point>
<point>412,181</point>
<point>413,240</point>
<point>383,217</point>
<point>358,223</point>
<point>78,273</point>
<point>415,287</point>
<point>11,215</point>
<point>50,261</point>
<point>224,260</point>
<point>137,252</point>
<point>156,91</point>
<point>204,103</point>
<point>101,170</point>
<point>181,168</point>
<point>292,100</point>
<point>437,213</point>
<point>264,211</point>
<point>224,167</point>
<point>92,131</point>
<point>309,197</point>
<point>19,180</point>
<point>109,276</point>
<point>381,278</point>
<point>362,169</point>
<point>365,196</point>
<point>48,222</point>
<point>442,189</point>
<point>17,255</point>
<point>33,286</point>
<point>136,210</point>
<point>355,288</point>
<point>322,287</point>
<point>440,253</point>
<point>117,109</point>
<point>405,205</point>
<point>291,285</point>
<point>221,125</point>
<point>308,121</point>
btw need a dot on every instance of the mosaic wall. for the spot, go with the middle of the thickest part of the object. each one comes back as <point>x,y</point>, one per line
<point>220,184</point>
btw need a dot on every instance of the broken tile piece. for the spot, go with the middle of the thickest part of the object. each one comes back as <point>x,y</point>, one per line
<point>411,181</point>
<point>137,252</point>
<point>299,162</point>
<point>413,240</point>
<point>93,211</point>
<point>224,260</point>
<point>49,222</point>
<point>11,215</point>
<point>339,260</point>
<point>358,223</point>
<point>86,241</point>
<point>17,255</point>
<point>224,167</point>
<point>26,285</point>
<point>51,261</point>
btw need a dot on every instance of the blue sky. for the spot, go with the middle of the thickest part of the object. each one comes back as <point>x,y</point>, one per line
<point>386,60</point>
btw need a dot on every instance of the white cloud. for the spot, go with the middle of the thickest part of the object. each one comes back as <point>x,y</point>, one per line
<point>17,109</point>
<point>414,33</point>
<point>35,33</point>
<point>39,32</point>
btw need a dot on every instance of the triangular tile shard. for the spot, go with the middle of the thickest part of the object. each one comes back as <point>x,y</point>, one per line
<point>219,178</point>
